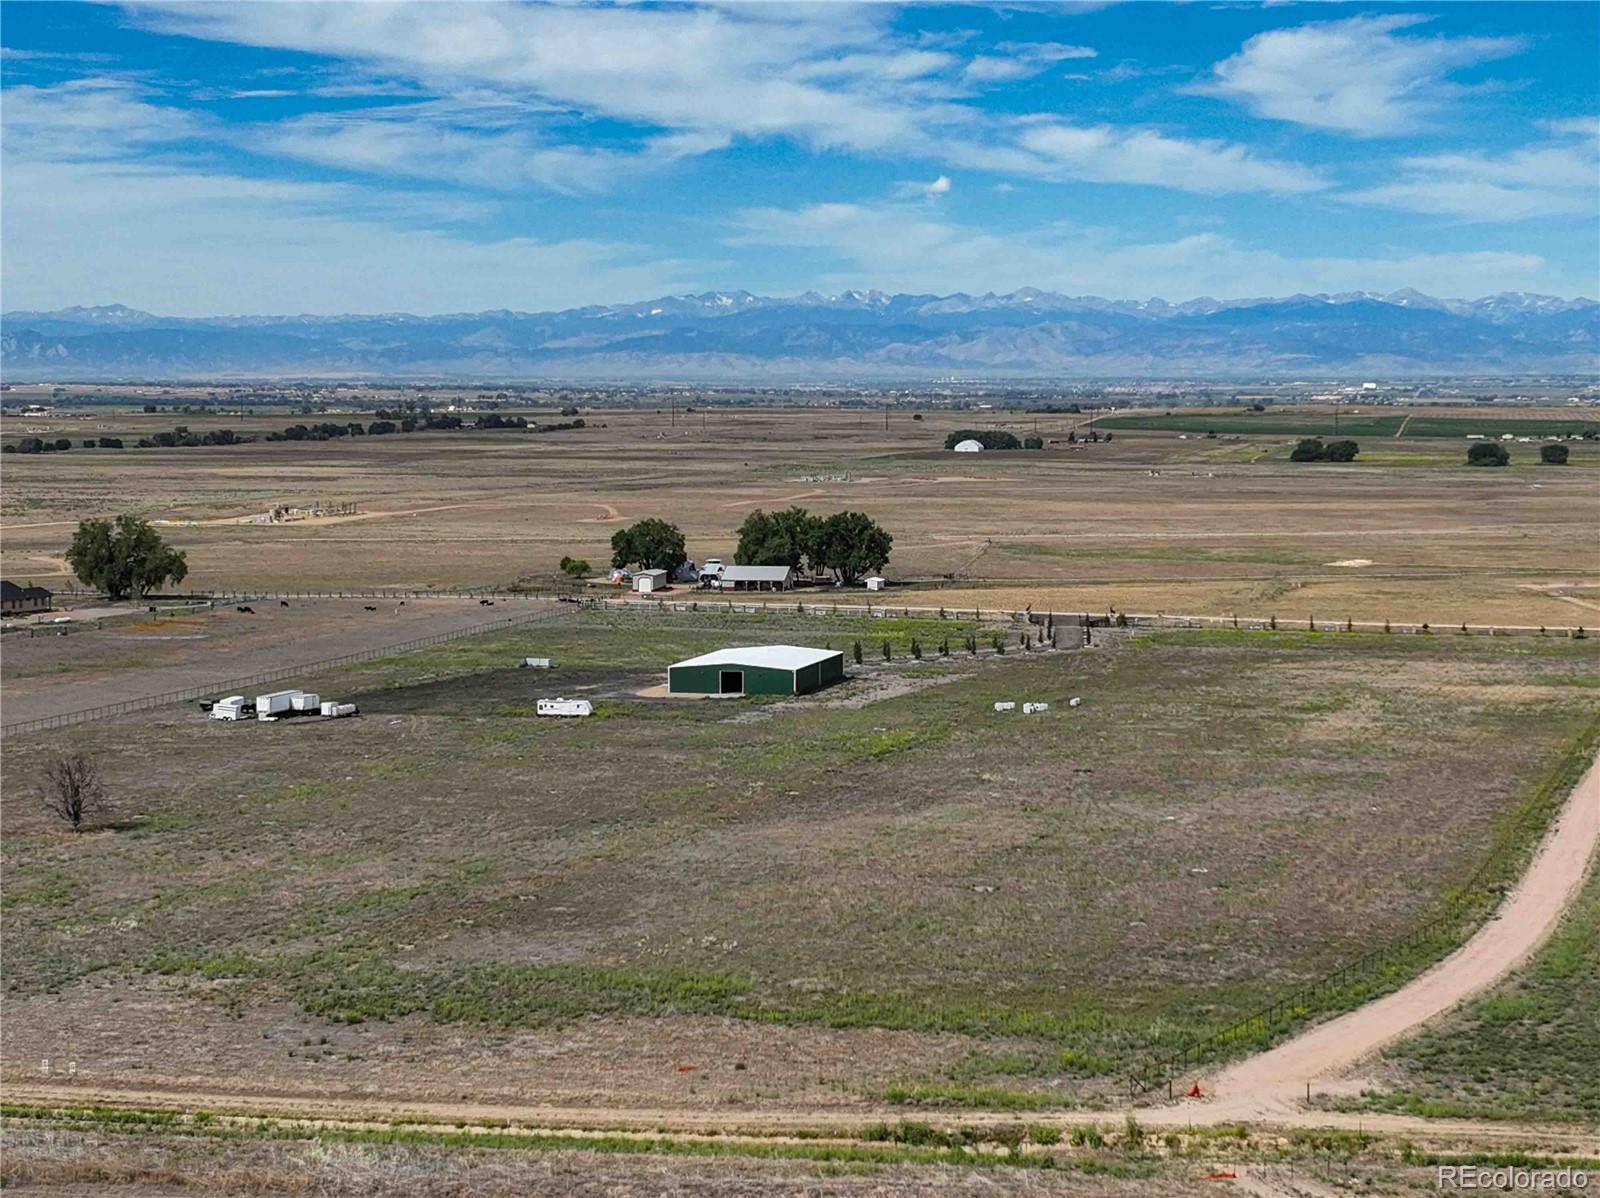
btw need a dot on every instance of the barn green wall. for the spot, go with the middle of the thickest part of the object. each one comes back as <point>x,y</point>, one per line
<point>758,680</point>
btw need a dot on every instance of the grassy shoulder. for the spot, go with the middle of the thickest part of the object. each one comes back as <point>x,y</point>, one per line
<point>1528,1050</point>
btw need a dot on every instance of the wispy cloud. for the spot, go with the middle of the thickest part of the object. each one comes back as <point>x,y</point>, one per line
<point>1558,177</point>
<point>902,248</point>
<point>1360,76</point>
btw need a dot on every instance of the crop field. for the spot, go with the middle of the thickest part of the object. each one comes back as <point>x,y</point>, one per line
<point>1355,423</point>
<point>1146,522</point>
<point>883,892</point>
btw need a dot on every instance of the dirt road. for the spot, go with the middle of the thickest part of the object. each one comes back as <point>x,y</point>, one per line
<point>1266,1086</point>
<point>1262,1090</point>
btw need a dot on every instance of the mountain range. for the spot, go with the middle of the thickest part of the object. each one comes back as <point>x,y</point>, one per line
<point>729,336</point>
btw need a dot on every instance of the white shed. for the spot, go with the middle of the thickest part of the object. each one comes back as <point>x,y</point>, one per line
<point>645,581</point>
<point>875,582</point>
<point>969,446</point>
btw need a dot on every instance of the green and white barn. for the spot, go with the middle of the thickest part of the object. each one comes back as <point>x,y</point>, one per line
<point>757,670</point>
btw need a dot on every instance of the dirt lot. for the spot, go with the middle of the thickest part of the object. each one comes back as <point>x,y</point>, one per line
<point>49,675</point>
<point>1147,522</point>
<point>824,900</point>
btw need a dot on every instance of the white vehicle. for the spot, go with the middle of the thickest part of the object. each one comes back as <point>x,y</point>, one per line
<point>563,707</point>
<point>231,708</point>
<point>270,707</point>
<point>1005,706</point>
<point>1030,708</point>
<point>337,711</point>
<point>306,701</point>
<point>538,663</point>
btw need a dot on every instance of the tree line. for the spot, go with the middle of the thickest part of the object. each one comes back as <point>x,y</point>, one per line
<point>848,545</point>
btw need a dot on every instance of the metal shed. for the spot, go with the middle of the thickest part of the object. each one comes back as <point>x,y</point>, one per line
<point>757,670</point>
<point>755,578</point>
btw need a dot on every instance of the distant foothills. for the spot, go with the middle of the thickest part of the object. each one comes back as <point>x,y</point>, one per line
<point>728,336</point>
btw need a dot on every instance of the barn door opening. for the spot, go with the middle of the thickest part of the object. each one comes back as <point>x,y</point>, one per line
<point>731,682</point>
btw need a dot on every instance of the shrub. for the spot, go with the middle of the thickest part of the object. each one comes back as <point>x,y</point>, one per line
<point>1487,453</point>
<point>1308,450</point>
<point>1341,451</point>
<point>1033,442</point>
<point>856,653</point>
<point>1553,455</point>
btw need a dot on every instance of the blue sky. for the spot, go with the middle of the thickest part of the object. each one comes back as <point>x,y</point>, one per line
<point>191,158</point>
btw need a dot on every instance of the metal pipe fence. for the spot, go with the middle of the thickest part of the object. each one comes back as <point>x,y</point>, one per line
<point>762,601</point>
<point>105,710</point>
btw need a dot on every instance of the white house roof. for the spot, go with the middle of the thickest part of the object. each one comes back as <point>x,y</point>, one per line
<point>969,446</point>
<point>756,573</point>
<point>772,657</point>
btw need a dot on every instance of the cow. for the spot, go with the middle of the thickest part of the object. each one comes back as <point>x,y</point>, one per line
<point>247,611</point>
<point>369,607</point>
<point>283,603</point>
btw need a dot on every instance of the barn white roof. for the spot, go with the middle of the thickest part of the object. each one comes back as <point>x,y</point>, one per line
<point>772,657</point>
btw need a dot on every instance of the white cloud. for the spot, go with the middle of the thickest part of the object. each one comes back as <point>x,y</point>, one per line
<point>90,118</point>
<point>928,191</point>
<point>828,75</point>
<point>429,141</point>
<point>1357,76</point>
<point>1560,177</point>
<point>1107,154</point>
<point>900,248</point>
<point>175,236</point>
<point>1020,60</point>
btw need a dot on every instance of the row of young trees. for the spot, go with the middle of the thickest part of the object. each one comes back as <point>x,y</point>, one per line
<point>848,545</point>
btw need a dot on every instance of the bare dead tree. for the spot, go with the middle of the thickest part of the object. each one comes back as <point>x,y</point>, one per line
<point>72,789</point>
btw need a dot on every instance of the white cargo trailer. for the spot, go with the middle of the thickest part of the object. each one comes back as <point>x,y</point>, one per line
<point>538,663</point>
<point>231,708</point>
<point>306,701</point>
<point>270,707</point>
<point>563,707</point>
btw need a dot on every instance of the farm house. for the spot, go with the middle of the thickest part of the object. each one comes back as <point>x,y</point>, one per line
<point>757,670</point>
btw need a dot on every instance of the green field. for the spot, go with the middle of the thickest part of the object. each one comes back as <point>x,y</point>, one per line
<point>1062,894</point>
<point>1290,423</point>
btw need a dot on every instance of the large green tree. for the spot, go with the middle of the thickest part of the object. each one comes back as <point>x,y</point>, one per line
<point>125,558</point>
<point>785,538</point>
<point>1487,453</point>
<point>851,545</point>
<point>650,545</point>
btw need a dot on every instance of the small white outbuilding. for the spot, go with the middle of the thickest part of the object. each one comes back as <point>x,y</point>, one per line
<point>645,581</point>
<point>875,582</point>
<point>969,446</point>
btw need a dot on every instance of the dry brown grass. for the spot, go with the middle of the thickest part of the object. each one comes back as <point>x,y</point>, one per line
<point>1226,526</point>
